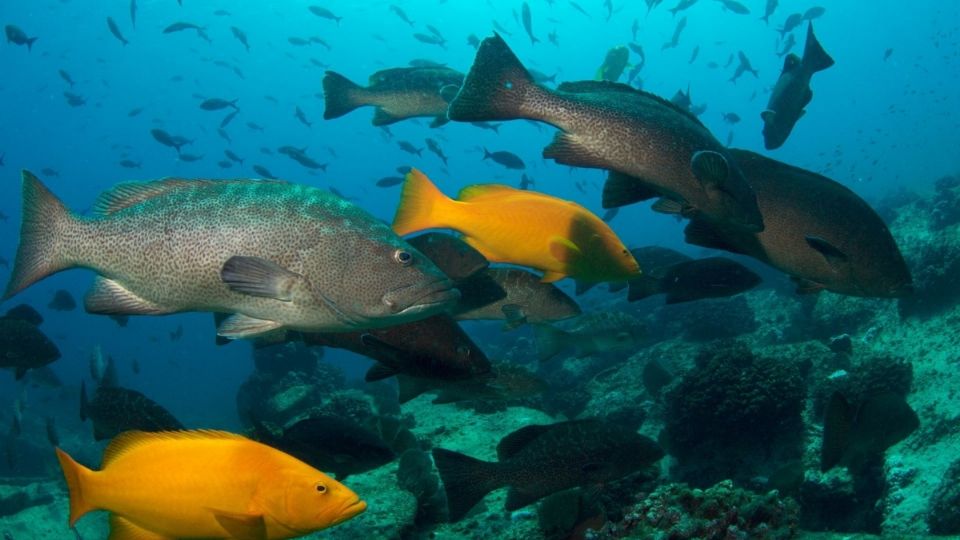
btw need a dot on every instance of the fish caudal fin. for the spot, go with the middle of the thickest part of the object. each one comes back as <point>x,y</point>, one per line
<point>550,341</point>
<point>814,57</point>
<point>466,480</point>
<point>495,88</point>
<point>45,220</point>
<point>339,95</point>
<point>421,205</point>
<point>76,476</point>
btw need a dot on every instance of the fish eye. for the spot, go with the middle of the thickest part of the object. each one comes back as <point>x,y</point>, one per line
<point>321,487</point>
<point>405,258</point>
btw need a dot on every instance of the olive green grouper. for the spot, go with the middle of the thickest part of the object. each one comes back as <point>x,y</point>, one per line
<point>276,255</point>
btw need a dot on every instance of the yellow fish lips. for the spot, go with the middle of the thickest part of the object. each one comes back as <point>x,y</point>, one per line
<point>351,510</point>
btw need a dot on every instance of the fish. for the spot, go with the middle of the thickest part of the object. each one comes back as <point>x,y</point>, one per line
<point>652,4</point>
<point>526,181</point>
<point>731,118</point>
<point>25,346</point>
<point>74,100</point>
<point>181,26</point>
<point>241,37</point>
<point>820,233</point>
<point>298,41</point>
<point>614,63</point>
<point>434,147</point>
<point>792,21</point>
<point>688,165</point>
<point>66,77</point>
<point>18,37</point>
<point>528,23</point>
<point>682,5</point>
<point>507,159</point>
<point>264,172</point>
<point>693,55</point>
<point>675,40</point>
<point>299,114</point>
<point>409,148</point>
<point>115,30</point>
<point>791,94</point>
<point>189,158</point>
<point>787,46</point>
<point>389,181</point>
<point>473,41</point>
<point>398,11</point>
<point>735,7</point>
<point>560,238</point>
<point>505,382</point>
<point>300,156</point>
<point>173,141</point>
<point>133,13</point>
<point>856,434</point>
<point>98,365</point>
<point>276,282</point>
<point>430,39</point>
<point>590,334</point>
<point>62,301</point>
<point>771,6</point>
<point>232,157</point>
<point>814,13</point>
<point>434,349</point>
<point>525,299</point>
<point>538,460</point>
<point>129,164</point>
<point>329,443</point>
<point>743,67</point>
<point>215,104</point>
<point>397,94</point>
<point>324,13</point>
<point>218,485</point>
<point>579,8</point>
<point>114,409</point>
<point>692,280</point>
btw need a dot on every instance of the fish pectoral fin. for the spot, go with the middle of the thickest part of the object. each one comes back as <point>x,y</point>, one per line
<point>259,277</point>
<point>622,189</point>
<point>831,253</point>
<point>564,250</point>
<point>448,92</point>
<point>384,118</point>
<point>514,316</point>
<point>123,529</point>
<point>107,297</point>
<point>710,168</point>
<point>768,115</point>
<point>667,206</point>
<point>238,326</point>
<point>378,372</point>
<point>241,526</point>
<point>805,286</point>
<point>438,121</point>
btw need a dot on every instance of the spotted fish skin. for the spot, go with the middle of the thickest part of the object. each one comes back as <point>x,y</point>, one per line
<point>280,255</point>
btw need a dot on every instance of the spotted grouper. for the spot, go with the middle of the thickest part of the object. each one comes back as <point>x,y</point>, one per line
<point>275,255</point>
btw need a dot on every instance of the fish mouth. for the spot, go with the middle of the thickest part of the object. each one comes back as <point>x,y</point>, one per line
<point>422,298</point>
<point>353,508</point>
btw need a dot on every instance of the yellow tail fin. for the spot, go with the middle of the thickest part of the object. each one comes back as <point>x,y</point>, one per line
<point>75,475</point>
<point>422,206</point>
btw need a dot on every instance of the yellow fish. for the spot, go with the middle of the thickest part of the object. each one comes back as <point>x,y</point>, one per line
<point>205,484</point>
<point>522,227</point>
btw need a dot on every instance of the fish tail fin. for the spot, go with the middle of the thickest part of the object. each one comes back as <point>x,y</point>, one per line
<point>550,341</point>
<point>466,480</point>
<point>339,95</point>
<point>814,56</point>
<point>42,232</point>
<point>76,476</point>
<point>30,42</point>
<point>421,205</point>
<point>496,87</point>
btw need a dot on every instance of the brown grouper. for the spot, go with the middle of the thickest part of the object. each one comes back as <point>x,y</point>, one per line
<point>655,148</point>
<point>274,254</point>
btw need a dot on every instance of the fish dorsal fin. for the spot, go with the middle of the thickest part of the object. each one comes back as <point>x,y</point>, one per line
<point>129,194</point>
<point>480,192</point>
<point>513,443</point>
<point>124,529</point>
<point>129,441</point>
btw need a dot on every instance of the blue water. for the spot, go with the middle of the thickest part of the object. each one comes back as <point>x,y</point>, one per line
<point>874,125</point>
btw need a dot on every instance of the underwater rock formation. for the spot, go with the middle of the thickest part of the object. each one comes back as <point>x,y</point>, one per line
<point>734,415</point>
<point>944,514</point>
<point>698,321</point>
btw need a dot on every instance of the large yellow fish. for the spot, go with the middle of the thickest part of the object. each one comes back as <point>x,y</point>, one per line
<point>509,225</point>
<point>205,484</point>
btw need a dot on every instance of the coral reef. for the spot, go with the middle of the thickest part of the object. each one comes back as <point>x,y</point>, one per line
<point>720,512</point>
